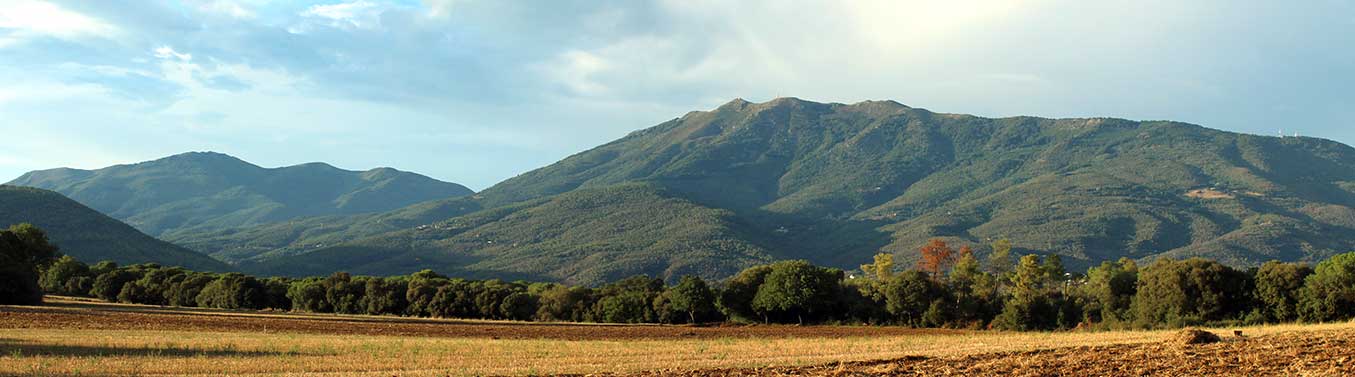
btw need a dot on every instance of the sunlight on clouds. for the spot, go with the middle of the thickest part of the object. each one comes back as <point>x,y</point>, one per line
<point>25,18</point>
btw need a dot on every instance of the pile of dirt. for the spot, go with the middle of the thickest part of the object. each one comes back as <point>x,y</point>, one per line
<point>1193,336</point>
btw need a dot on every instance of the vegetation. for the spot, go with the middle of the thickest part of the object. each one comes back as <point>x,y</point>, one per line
<point>88,235</point>
<point>200,196</point>
<point>24,254</point>
<point>748,184</point>
<point>1037,294</point>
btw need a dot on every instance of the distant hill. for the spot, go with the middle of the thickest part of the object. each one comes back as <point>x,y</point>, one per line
<point>836,183</point>
<point>200,192</point>
<point>91,236</point>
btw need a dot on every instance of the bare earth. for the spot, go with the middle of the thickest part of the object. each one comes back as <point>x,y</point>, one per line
<point>78,338</point>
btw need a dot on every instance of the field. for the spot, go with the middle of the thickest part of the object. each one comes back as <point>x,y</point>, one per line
<point>70,337</point>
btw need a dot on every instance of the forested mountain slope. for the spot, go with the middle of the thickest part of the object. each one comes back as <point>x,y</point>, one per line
<point>91,236</point>
<point>194,193</point>
<point>836,183</point>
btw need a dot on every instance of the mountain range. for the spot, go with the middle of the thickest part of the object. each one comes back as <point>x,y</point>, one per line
<point>92,236</point>
<point>715,191</point>
<point>204,192</point>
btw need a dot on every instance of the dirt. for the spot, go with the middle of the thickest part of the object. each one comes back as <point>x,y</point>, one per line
<point>1192,336</point>
<point>1288,354</point>
<point>99,316</point>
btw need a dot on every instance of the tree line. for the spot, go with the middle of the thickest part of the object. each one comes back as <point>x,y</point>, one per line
<point>950,288</point>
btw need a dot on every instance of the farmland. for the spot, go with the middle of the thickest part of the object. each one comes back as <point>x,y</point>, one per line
<point>69,337</point>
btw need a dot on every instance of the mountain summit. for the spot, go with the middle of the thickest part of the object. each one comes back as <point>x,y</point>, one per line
<point>715,191</point>
<point>205,191</point>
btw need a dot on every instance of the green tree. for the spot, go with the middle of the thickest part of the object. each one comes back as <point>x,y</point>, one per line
<point>57,277</point>
<point>1110,290</point>
<point>1278,290</point>
<point>24,253</point>
<point>519,306</point>
<point>736,299</point>
<point>562,303</point>
<point>881,269</point>
<point>108,285</point>
<point>975,292</point>
<point>910,295</point>
<point>796,289</point>
<point>232,291</point>
<point>1329,293</point>
<point>185,292</point>
<point>385,296</point>
<point>344,293</point>
<point>1000,261</point>
<point>308,295</point>
<point>1053,270</point>
<point>691,296</point>
<point>1177,293</point>
<point>423,285</point>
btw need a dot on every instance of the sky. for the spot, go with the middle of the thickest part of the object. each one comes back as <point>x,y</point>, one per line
<point>475,92</point>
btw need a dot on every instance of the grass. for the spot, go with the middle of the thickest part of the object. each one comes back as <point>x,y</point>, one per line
<point>148,352</point>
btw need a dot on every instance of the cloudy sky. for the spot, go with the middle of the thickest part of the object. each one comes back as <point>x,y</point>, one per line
<point>478,91</point>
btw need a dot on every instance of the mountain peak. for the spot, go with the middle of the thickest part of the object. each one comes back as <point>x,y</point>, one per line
<point>206,157</point>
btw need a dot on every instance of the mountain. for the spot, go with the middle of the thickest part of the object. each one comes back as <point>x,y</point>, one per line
<point>836,183</point>
<point>91,236</point>
<point>195,193</point>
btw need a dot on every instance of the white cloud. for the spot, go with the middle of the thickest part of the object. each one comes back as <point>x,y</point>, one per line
<point>228,8</point>
<point>27,18</point>
<point>166,52</point>
<point>360,14</point>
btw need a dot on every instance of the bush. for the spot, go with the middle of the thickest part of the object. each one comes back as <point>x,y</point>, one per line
<point>1189,292</point>
<point>1329,293</point>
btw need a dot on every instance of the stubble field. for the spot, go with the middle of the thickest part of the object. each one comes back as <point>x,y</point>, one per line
<point>94,339</point>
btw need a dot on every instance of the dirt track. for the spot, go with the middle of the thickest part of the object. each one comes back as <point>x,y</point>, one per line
<point>1288,354</point>
<point>95,316</point>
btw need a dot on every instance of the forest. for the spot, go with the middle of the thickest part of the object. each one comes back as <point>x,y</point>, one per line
<point>950,288</point>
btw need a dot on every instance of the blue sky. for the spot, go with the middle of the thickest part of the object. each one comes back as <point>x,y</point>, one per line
<point>478,91</point>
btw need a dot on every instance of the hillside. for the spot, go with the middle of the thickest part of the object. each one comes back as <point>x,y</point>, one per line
<point>836,183</point>
<point>193,193</point>
<point>585,236</point>
<point>91,236</point>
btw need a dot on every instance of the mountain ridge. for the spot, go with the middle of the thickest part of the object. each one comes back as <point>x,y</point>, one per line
<point>205,191</point>
<point>836,183</point>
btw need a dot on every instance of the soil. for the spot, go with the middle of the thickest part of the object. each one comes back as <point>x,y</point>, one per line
<point>70,314</point>
<point>1286,354</point>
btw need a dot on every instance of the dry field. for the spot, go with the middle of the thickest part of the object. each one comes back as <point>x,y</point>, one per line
<point>90,339</point>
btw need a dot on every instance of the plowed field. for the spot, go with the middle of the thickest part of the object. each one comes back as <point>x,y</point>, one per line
<point>96,339</point>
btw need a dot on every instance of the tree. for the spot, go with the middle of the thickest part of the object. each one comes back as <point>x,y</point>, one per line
<point>423,285</point>
<point>385,296</point>
<point>1053,269</point>
<point>736,299</point>
<point>309,295</point>
<point>797,289</point>
<point>1110,290</point>
<point>108,285</point>
<point>1176,293</point>
<point>881,269</point>
<point>344,293</point>
<point>561,303</point>
<point>1000,261</point>
<point>692,296</point>
<point>66,268</point>
<point>275,293</point>
<point>1278,290</point>
<point>936,258</point>
<point>1329,293</point>
<point>24,253</point>
<point>1030,306</point>
<point>232,291</point>
<point>974,291</point>
<point>910,295</point>
<point>185,292</point>
<point>519,306</point>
